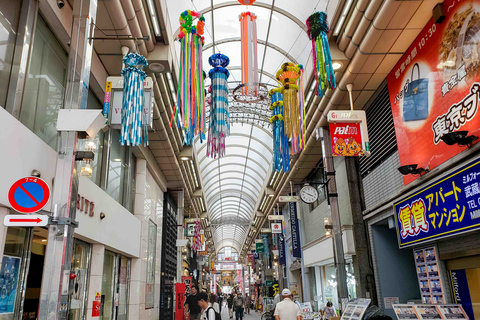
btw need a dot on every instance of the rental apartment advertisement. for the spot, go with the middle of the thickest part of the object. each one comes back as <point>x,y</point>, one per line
<point>434,88</point>
<point>447,206</point>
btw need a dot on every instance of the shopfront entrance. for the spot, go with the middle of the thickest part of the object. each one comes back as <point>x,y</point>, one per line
<point>116,271</point>
<point>465,281</point>
<point>21,272</point>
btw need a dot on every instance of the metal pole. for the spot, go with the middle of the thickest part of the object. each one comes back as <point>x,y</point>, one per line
<point>336,223</point>
<point>54,296</point>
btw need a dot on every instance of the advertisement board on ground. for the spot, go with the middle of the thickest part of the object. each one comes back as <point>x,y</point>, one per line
<point>434,87</point>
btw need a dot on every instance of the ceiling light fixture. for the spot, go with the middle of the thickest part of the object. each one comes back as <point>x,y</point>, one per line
<point>153,16</point>
<point>337,65</point>
<point>343,17</point>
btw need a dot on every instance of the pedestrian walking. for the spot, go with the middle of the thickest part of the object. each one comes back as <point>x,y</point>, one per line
<point>191,304</point>
<point>238,303</point>
<point>220,302</point>
<point>287,309</point>
<point>230,305</point>
<point>248,301</point>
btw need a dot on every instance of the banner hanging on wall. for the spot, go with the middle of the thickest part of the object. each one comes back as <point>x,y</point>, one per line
<point>434,88</point>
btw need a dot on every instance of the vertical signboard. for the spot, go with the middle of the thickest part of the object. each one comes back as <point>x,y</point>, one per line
<point>346,139</point>
<point>434,88</point>
<point>462,291</point>
<point>429,277</point>
<point>296,246</point>
<point>180,300</point>
<point>281,249</point>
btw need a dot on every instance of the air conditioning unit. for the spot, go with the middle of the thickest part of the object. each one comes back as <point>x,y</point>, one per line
<point>112,106</point>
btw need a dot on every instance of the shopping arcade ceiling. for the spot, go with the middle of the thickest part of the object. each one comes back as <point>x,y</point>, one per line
<point>234,185</point>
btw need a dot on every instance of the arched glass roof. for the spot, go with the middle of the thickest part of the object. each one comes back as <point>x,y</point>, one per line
<point>234,184</point>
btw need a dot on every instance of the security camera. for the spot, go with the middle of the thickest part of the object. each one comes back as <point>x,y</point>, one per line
<point>60,4</point>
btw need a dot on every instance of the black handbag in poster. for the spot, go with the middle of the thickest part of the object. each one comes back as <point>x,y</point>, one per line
<point>415,102</point>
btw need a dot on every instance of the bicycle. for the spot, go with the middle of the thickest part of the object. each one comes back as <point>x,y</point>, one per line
<point>268,315</point>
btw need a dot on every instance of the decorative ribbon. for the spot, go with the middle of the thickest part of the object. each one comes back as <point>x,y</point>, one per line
<point>134,130</point>
<point>317,28</point>
<point>281,158</point>
<point>189,114</point>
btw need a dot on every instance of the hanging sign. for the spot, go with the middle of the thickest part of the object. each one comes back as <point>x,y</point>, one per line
<point>276,217</point>
<point>255,255</point>
<point>259,247</point>
<point>29,194</point>
<point>296,247</point>
<point>188,284</point>
<point>281,249</point>
<point>348,133</point>
<point>288,198</point>
<point>276,227</point>
<point>443,208</point>
<point>434,87</point>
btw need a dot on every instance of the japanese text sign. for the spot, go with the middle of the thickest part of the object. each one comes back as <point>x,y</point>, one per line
<point>180,300</point>
<point>346,139</point>
<point>434,87</point>
<point>443,208</point>
<point>295,230</point>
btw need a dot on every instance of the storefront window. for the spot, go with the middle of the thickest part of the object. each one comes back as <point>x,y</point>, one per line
<point>10,281</point>
<point>117,167</point>
<point>123,280</point>
<point>45,85</point>
<point>151,250</point>
<point>96,145</point>
<point>80,266</point>
<point>108,286</point>
<point>9,17</point>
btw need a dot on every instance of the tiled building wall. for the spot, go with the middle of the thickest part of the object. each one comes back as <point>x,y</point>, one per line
<point>383,182</point>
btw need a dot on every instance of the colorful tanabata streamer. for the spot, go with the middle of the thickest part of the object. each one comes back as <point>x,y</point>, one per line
<point>248,27</point>
<point>280,141</point>
<point>219,114</point>
<point>317,32</point>
<point>134,125</point>
<point>189,114</point>
<point>291,77</point>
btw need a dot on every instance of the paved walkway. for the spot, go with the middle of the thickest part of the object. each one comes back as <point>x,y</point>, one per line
<point>252,316</point>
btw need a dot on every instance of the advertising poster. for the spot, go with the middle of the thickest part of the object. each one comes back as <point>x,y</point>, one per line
<point>346,139</point>
<point>8,283</point>
<point>405,311</point>
<point>355,309</point>
<point>390,301</point>
<point>179,300</point>
<point>450,311</point>
<point>429,312</point>
<point>445,207</point>
<point>429,277</point>
<point>434,87</point>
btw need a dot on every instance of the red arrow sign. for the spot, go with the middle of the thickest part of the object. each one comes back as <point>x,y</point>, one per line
<point>21,220</point>
<point>37,220</point>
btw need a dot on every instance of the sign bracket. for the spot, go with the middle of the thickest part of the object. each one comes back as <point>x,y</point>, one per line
<point>62,221</point>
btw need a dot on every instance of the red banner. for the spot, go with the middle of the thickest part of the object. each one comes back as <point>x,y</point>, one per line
<point>188,284</point>
<point>180,300</point>
<point>346,139</point>
<point>434,88</point>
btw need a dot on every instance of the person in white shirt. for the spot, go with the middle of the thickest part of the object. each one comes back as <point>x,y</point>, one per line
<point>287,309</point>
<point>208,313</point>
<point>214,303</point>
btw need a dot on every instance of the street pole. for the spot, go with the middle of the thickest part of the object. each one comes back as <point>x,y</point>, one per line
<point>54,296</point>
<point>342,289</point>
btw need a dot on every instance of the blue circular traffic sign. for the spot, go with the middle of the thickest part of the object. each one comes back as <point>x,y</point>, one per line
<point>29,194</point>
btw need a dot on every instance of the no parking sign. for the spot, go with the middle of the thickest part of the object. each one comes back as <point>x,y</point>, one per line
<point>29,194</point>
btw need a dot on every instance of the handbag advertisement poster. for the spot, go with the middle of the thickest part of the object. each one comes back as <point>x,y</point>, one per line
<point>434,88</point>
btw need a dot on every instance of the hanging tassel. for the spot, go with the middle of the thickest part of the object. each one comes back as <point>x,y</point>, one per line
<point>134,131</point>
<point>317,28</point>
<point>189,113</point>
<point>248,31</point>
<point>219,112</point>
